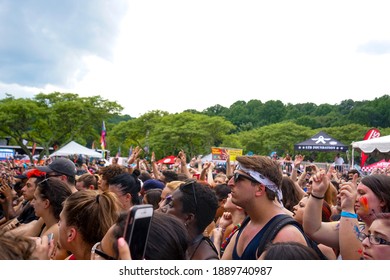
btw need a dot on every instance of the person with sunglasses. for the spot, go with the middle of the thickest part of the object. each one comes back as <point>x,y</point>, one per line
<point>62,168</point>
<point>195,204</point>
<point>49,197</point>
<point>256,187</point>
<point>376,244</point>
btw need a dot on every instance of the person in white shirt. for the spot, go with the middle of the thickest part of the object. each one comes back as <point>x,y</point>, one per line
<point>338,162</point>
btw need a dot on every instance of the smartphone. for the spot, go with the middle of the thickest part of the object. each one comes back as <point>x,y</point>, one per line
<point>308,169</point>
<point>137,229</point>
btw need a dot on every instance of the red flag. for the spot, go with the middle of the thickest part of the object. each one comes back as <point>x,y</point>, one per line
<point>372,133</point>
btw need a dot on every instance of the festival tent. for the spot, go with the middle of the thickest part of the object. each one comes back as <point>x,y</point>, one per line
<point>167,160</point>
<point>321,142</point>
<point>73,148</point>
<point>380,145</point>
<point>380,164</point>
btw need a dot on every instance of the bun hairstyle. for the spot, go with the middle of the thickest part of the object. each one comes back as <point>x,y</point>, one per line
<point>128,183</point>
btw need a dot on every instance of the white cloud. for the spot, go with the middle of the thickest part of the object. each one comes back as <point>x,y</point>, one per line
<point>178,55</point>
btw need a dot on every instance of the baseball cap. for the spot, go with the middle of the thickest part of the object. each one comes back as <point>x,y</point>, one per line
<point>21,176</point>
<point>152,184</point>
<point>60,165</point>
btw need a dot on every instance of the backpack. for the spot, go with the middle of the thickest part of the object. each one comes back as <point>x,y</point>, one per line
<point>276,225</point>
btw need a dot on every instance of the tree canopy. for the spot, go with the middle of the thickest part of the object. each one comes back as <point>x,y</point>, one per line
<point>57,118</point>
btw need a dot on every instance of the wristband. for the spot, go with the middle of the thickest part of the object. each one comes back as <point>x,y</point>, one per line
<point>222,229</point>
<point>348,215</point>
<point>318,197</point>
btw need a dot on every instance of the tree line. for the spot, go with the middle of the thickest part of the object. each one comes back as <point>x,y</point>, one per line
<point>52,120</point>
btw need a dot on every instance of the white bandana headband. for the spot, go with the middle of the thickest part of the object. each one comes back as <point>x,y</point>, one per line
<point>262,180</point>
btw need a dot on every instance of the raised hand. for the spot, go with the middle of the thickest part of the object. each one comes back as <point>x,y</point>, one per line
<point>298,160</point>
<point>182,157</point>
<point>134,156</point>
<point>320,184</point>
<point>225,220</point>
<point>348,194</point>
<point>5,193</point>
<point>43,248</point>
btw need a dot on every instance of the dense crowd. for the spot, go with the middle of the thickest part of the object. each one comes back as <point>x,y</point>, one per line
<point>255,207</point>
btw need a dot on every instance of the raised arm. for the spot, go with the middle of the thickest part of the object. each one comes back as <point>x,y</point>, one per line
<point>156,172</point>
<point>6,201</point>
<point>350,246</point>
<point>325,233</point>
<point>209,167</point>
<point>297,163</point>
<point>229,171</point>
<point>218,233</point>
<point>183,161</point>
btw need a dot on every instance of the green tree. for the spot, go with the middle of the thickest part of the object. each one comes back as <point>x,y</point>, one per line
<point>55,118</point>
<point>238,114</point>
<point>216,110</point>
<point>273,112</point>
<point>194,133</point>
<point>135,132</point>
<point>279,137</point>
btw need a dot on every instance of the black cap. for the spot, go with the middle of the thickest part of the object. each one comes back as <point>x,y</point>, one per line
<point>21,176</point>
<point>60,165</point>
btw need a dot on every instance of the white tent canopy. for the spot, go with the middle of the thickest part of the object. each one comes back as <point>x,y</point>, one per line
<point>380,144</point>
<point>73,148</point>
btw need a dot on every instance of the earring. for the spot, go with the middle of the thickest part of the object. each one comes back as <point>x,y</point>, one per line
<point>185,224</point>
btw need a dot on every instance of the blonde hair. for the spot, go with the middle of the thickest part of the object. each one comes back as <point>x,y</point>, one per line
<point>173,185</point>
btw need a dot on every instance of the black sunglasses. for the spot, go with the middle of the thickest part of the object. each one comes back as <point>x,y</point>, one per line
<point>239,176</point>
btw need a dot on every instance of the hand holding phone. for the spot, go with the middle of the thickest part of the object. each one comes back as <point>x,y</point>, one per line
<point>137,229</point>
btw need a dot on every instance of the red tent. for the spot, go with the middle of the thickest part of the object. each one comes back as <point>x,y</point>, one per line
<point>380,164</point>
<point>167,160</point>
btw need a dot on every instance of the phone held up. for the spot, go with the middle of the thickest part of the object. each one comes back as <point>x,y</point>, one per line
<point>137,229</point>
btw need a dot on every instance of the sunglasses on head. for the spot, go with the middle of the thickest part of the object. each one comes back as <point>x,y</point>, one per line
<point>192,185</point>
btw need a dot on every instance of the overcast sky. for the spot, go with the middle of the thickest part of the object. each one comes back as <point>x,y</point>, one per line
<point>177,55</point>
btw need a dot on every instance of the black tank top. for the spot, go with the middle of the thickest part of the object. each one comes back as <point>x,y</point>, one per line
<point>251,249</point>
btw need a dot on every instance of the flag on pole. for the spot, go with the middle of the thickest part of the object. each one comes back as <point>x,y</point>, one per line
<point>103,140</point>
<point>118,154</point>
